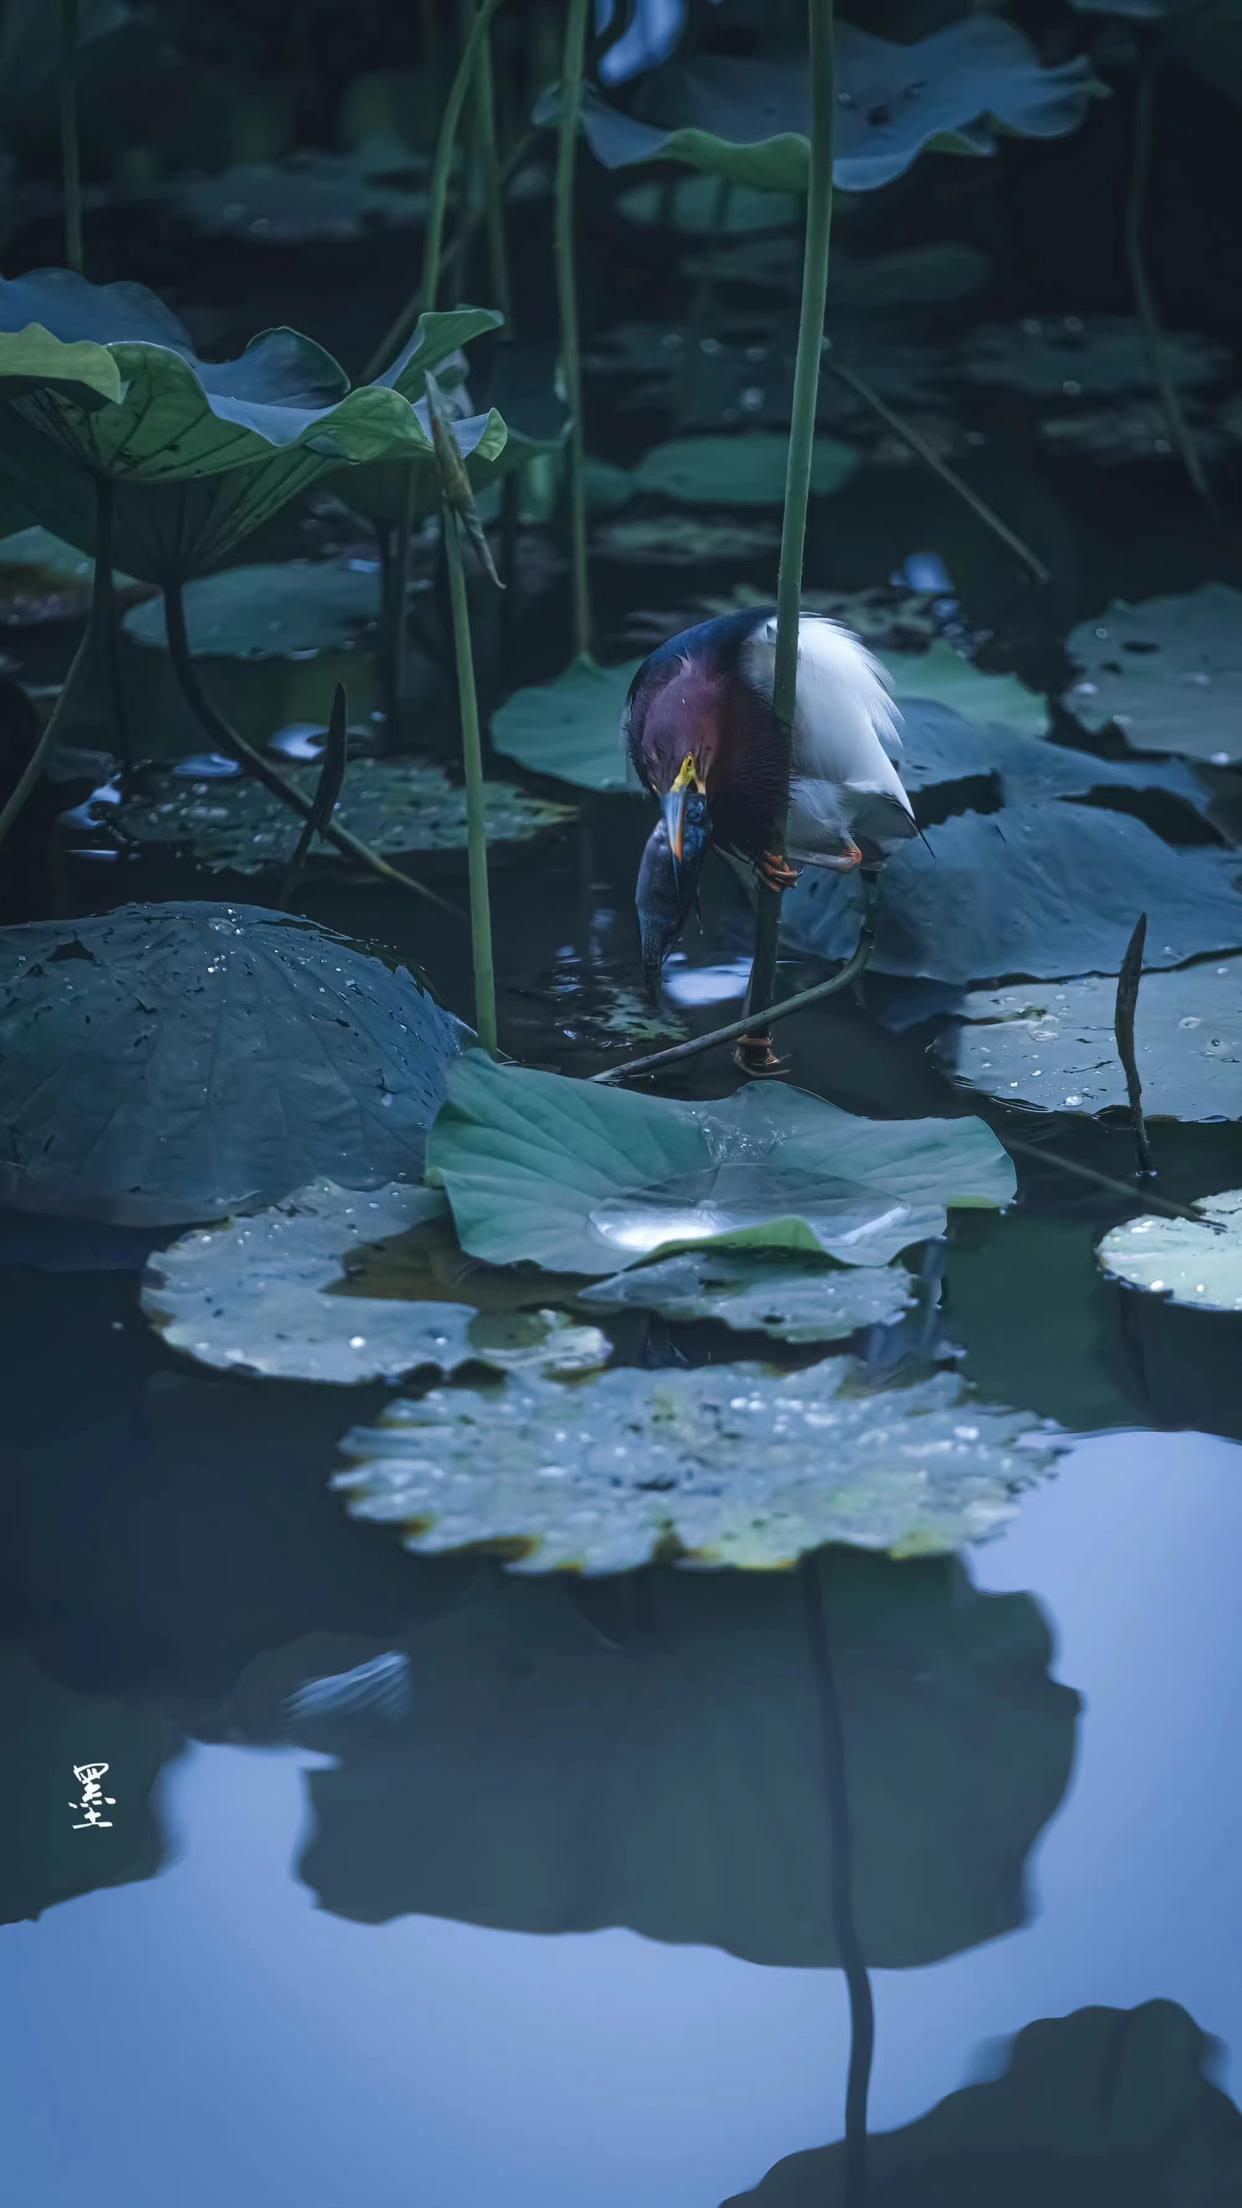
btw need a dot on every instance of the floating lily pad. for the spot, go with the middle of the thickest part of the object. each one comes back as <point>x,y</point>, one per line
<point>738,471</point>
<point>306,198</point>
<point>1187,1261</point>
<point>268,1294</point>
<point>1056,1047</point>
<point>168,1063</point>
<point>887,618</point>
<point>577,1177</point>
<point>748,383</point>
<point>1038,890</point>
<point>795,1299</point>
<point>1167,671</point>
<point>397,805</point>
<point>731,1466</point>
<point>748,119</point>
<point>947,677</point>
<point>275,611</point>
<point>675,540</point>
<point>1065,358</point>
<point>940,747</point>
<point>1126,430</point>
<point>568,728</point>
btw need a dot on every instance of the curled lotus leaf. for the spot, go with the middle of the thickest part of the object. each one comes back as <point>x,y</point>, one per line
<point>578,1177</point>
<point>1194,1262</point>
<point>728,1465</point>
<point>1168,672</point>
<point>794,1298</point>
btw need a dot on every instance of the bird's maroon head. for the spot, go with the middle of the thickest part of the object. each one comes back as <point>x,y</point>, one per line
<point>679,739</point>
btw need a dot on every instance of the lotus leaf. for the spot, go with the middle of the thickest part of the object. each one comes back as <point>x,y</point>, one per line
<point>748,119</point>
<point>947,677</point>
<point>279,610</point>
<point>582,1178</point>
<point>887,618</point>
<point>1038,890</point>
<point>1167,671</point>
<point>307,197</point>
<point>574,1754</point>
<point>44,579</point>
<point>568,728</point>
<point>729,1465</point>
<point>1051,358</point>
<point>792,1297</point>
<point>748,470</point>
<point>940,747</point>
<point>268,1294</point>
<point>1055,1046</point>
<point>891,283</point>
<point>1198,1264</point>
<point>1102,2105</point>
<point>1123,430</point>
<point>671,540</point>
<point>167,1063</point>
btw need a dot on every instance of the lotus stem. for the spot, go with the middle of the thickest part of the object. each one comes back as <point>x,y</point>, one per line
<point>327,791</point>
<point>1136,210</point>
<point>798,466</point>
<point>919,445</point>
<point>229,739</point>
<point>494,189</point>
<point>70,145</point>
<point>476,802</point>
<point>679,1052</point>
<point>104,600</point>
<point>567,303</point>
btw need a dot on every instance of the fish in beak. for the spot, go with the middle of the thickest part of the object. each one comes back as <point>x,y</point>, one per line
<point>673,806</point>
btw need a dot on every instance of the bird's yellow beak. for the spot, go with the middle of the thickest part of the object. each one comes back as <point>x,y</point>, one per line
<point>673,805</point>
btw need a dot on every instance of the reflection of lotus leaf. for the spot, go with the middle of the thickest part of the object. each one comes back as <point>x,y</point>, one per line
<point>577,1177</point>
<point>1106,2105</point>
<point>165,1063</point>
<point>1040,890</point>
<point>568,728</point>
<point>1055,1046</point>
<point>1195,1263</point>
<point>575,1757</point>
<point>1168,671</point>
<point>795,1298</point>
<point>748,119</point>
<point>265,1294</point>
<point>729,1465</point>
<point>1053,359</point>
<point>747,470</point>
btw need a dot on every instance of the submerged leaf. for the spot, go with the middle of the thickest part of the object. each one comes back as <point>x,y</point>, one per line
<point>577,1177</point>
<point>1167,671</point>
<point>724,1466</point>
<point>793,1297</point>
<point>1198,1264</point>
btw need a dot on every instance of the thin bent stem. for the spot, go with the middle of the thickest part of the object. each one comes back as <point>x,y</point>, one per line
<point>228,739</point>
<point>70,147</point>
<point>567,303</point>
<point>918,444</point>
<point>798,465</point>
<point>476,804</point>
<point>1136,209</point>
<point>679,1052</point>
<point>1107,1180</point>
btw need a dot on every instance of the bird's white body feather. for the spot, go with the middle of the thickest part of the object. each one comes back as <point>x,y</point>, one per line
<point>845,727</point>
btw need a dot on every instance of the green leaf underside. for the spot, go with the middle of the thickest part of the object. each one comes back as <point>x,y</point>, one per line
<point>575,1177</point>
<point>1197,1265</point>
<point>1055,1047</point>
<point>267,1294</point>
<point>1168,671</point>
<point>731,1466</point>
<point>793,1298</point>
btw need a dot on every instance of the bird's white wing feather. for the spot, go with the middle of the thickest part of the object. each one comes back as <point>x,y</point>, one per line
<point>845,725</point>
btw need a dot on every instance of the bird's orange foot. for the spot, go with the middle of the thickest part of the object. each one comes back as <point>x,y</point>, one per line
<point>753,1054</point>
<point>849,859</point>
<point>776,872</point>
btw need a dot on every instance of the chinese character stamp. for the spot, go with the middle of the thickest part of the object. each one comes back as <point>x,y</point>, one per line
<point>88,1776</point>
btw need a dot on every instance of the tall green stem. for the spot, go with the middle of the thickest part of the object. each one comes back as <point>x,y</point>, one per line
<point>567,301</point>
<point>798,474</point>
<point>476,813</point>
<point>70,150</point>
<point>497,239</point>
<point>1144,298</point>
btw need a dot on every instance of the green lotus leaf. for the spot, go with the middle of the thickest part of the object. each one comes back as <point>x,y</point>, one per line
<point>747,470</point>
<point>1055,1047</point>
<point>949,679</point>
<point>520,390</point>
<point>791,1297</point>
<point>1066,358</point>
<point>748,384</point>
<point>168,1063</point>
<point>1168,672</point>
<point>278,610</point>
<point>306,198</point>
<point>729,1465</point>
<point>269,1294</point>
<point>1191,1262</point>
<point>1038,890</point>
<point>940,747</point>
<point>1119,431</point>
<point>581,1178</point>
<point>1102,2105</point>
<point>568,728</point>
<point>572,1755</point>
<point>675,540</point>
<point>748,119</point>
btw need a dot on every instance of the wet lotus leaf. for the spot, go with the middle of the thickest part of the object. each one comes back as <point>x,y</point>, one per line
<point>947,677</point>
<point>729,1465</point>
<point>267,1294</point>
<point>887,617</point>
<point>1038,890</point>
<point>749,382</point>
<point>738,471</point>
<point>1102,2105</point>
<point>748,119</point>
<point>306,198</point>
<point>1168,671</point>
<point>1126,430</point>
<point>169,1063</point>
<point>273,611</point>
<point>793,1298</point>
<point>1056,1047</point>
<point>693,208</point>
<point>397,805</point>
<point>673,540</point>
<point>578,1177</point>
<point>568,728</point>
<point>1065,358</point>
<point>940,747</point>
<point>1187,1261</point>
